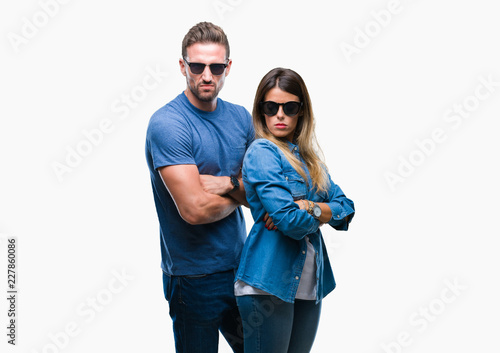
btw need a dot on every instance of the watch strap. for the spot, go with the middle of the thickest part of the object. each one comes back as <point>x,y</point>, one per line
<point>235,182</point>
<point>310,208</point>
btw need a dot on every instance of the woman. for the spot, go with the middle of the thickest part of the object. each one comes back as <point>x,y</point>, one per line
<point>284,271</point>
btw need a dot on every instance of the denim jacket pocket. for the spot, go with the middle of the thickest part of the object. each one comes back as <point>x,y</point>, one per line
<point>320,196</point>
<point>297,186</point>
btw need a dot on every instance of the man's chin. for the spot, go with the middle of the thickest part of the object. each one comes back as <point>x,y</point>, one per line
<point>207,97</point>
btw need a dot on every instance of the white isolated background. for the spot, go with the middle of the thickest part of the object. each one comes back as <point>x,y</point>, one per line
<point>437,226</point>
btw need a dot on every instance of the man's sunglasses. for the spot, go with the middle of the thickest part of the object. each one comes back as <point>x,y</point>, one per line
<point>198,68</point>
<point>271,108</point>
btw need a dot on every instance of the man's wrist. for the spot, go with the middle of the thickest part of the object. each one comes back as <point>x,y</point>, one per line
<point>235,183</point>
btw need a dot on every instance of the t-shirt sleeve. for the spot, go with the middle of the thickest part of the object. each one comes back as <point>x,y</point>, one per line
<point>251,130</point>
<point>169,140</point>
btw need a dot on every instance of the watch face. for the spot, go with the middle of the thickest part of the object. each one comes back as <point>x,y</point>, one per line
<point>316,211</point>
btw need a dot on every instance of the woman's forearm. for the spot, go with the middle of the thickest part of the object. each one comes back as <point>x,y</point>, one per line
<point>326,212</point>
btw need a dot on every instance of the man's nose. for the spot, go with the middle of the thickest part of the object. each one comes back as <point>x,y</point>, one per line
<point>206,75</point>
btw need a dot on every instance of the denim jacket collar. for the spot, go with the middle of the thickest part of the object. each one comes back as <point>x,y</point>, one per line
<point>293,147</point>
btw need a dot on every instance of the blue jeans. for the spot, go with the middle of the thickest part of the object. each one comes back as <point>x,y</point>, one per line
<point>200,307</point>
<point>271,325</point>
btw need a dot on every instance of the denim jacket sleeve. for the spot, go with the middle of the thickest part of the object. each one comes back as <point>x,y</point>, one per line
<point>263,173</point>
<point>342,207</point>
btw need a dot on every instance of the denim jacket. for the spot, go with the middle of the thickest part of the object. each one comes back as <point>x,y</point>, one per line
<point>272,260</point>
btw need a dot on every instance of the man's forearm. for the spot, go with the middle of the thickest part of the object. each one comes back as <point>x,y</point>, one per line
<point>209,208</point>
<point>239,194</point>
<point>215,211</point>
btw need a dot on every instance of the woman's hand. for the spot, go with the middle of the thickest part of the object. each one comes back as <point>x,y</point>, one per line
<point>302,204</point>
<point>269,222</point>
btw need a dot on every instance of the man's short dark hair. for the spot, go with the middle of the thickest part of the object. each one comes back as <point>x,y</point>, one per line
<point>205,32</point>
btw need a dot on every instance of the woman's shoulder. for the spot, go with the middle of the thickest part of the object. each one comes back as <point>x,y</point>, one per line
<point>262,150</point>
<point>262,144</point>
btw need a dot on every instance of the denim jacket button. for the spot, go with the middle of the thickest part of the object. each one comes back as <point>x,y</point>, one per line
<point>297,278</point>
<point>303,251</point>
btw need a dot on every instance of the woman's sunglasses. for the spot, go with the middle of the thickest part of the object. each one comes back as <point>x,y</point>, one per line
<point>198,68</point>
<point>271,108</point>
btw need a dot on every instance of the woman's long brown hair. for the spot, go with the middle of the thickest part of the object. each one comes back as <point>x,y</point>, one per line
<point>289,81</point>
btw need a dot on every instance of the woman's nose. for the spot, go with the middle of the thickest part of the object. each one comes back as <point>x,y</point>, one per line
<point>280,114</point>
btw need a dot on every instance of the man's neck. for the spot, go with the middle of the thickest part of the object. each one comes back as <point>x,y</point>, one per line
<point>205,106</point>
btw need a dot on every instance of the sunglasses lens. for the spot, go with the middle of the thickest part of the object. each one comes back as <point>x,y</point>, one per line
<point>196,68</point>
<point>270,108</point>
<point>217,69</point>
<point>291,108</point>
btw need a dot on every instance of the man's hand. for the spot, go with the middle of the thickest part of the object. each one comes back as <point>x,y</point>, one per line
<point>222,186</point>
<point>217,185</point>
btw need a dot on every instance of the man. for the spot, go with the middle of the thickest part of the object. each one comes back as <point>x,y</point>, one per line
<point>194,148</point>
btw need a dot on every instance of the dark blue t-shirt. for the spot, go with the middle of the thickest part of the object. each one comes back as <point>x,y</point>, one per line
<point>180,133</point>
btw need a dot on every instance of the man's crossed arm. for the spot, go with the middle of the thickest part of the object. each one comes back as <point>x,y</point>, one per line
<point>201,199</point>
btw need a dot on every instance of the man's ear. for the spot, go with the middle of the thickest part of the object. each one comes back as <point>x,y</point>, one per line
<point>182,65</point>
<point>230,62</point>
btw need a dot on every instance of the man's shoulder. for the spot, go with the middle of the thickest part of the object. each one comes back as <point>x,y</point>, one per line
<point>235,107</point>
<point>171,112</point>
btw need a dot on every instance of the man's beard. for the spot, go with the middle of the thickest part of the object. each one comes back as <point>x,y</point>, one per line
<point>204,98</point>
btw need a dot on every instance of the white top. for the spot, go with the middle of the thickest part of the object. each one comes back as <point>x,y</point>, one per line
<point>307,285</point>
